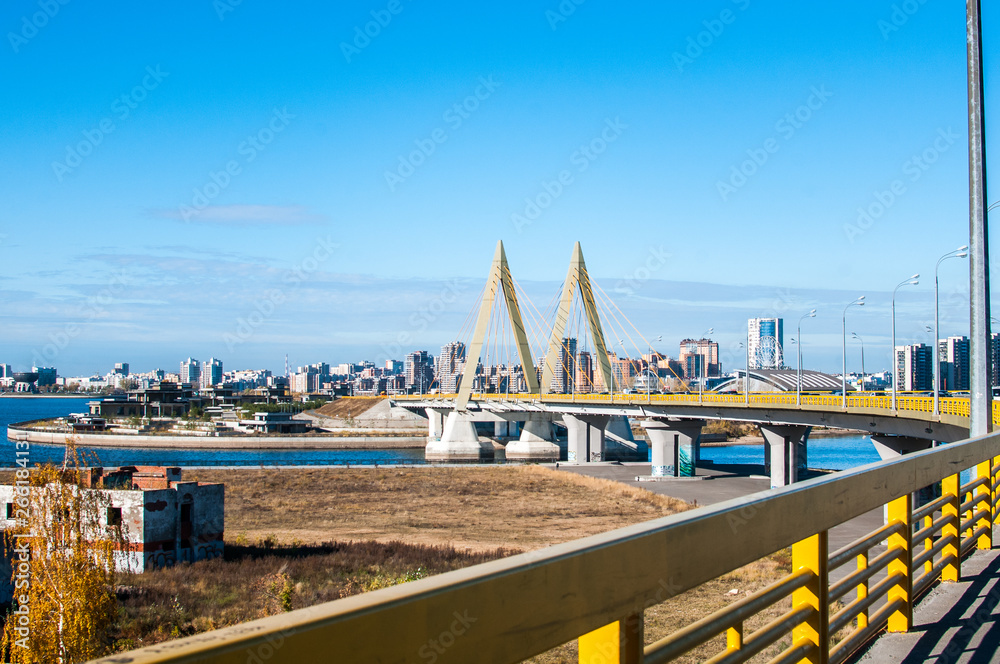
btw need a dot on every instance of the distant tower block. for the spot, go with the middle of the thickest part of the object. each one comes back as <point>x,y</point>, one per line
<point>766,339</point>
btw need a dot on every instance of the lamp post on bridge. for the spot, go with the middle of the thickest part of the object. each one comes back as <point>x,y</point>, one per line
<point>961,252</point>
<point>798,358</point>
<point>854,335</point>
<point>843,376</point>
<point>746,375</point>
<point>704,370</point>
<point>912,281</point>
<point>648,366</point>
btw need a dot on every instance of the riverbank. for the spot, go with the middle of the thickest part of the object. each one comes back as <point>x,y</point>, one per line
<point>18,432</point>
<point>22,395</point>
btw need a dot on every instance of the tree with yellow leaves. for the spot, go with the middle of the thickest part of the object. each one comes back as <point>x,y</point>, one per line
<point>63,553</point>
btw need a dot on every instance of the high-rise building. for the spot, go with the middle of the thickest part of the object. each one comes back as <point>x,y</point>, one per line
<point>700,358</point>
<point>565,369</point>
<point>914,367</point>
<point>953,356</point>
<point>995,359</point>
<point>584,376</point>
<point>450,363</point>
<point>121,368</point>
<point>392,367</point>
<point>5,371</point>
<point>418,367</point>
<point>191,371</point>
<point>46,375</point>
<point>211,372</point>
<point>766,340</point>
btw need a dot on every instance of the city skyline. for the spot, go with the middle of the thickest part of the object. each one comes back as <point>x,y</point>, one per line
<point>255,194</point>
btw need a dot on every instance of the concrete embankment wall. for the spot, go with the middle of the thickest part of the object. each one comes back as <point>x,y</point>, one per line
<point>21,432</point>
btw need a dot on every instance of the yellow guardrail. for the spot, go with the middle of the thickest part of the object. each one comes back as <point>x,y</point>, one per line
<point>596,589</point>
<point>905,403</point>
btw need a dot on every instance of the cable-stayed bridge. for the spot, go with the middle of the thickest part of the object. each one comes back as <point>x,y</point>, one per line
<point>582,386</point>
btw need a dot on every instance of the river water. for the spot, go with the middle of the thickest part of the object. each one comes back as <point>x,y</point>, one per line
<point>837,453</point>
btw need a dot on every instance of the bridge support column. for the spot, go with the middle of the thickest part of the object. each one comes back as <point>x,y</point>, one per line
<point>585,436</point>
<point>890,447</point>
<point>620,444</point>
<point>505,429</point>
<point>535,443</point>
<point>459,441</point>
<point>786,449</point>
<point>673,444</point>
<point>435,424</point>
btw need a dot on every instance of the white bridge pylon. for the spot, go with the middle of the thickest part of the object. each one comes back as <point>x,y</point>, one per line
<point>577,277</point>
<point>500,281</point>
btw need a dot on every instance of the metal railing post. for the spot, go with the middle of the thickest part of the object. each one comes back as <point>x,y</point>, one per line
<point>862,617</point>
<point>734,638</point>
<point>811,554</point>
<point>952,571</point>
<point>618,643</point>
<point>901,511</point>
<point>985,541</point>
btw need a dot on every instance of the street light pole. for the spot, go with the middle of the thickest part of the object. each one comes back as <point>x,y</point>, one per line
<point>798,359</point>
<point>843,376</point>
<point>961,252</point>
<point>854,335</point>
<point>701,383</point>
<point>912,281</point>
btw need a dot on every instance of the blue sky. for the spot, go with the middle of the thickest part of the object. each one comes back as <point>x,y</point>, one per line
<point>248,180</point>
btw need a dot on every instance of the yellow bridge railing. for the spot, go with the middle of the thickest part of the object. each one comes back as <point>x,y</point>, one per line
<point>905,403</point>
<point>597,589</point>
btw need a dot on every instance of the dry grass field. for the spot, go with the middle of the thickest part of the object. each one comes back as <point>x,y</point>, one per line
<point>298,537</point>
<point>478,509</point>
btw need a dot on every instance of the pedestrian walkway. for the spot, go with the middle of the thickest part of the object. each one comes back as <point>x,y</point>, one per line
<point>954,623</point>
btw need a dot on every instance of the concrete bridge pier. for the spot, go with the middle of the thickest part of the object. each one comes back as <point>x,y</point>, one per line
<point>785,452</point>
<point>435,423</point>
<point>890,447</point>
<point>620,444</point>
<point>673,445</point>
<point>585,437</point>
<point>459,441</point>
<point>536,441</point>
<point>505,429</point>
